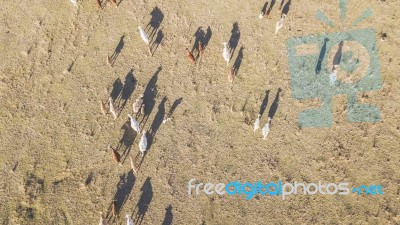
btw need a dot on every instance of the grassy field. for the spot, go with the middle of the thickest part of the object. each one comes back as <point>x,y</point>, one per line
<point>55,165</point>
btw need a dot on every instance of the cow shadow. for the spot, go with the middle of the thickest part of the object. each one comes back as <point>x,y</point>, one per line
<point>155,22</point>
<point>199,36</point>
<point>264,103</point>
<point>117,51</point>
<point>168,216</point>
<point>234,39</point>
<point>274,106</point>
<point>286,8</point>
<point>264,8</point>
<point>176,103</point>
<point>149,96</point>
<point>124,189</point>
<point>238,61</point>
<point>126,141</point>
<point>144,201</point>
<point>321,57</point>
<point>338,55</point>
<point>116,89</point>
<point>270,7</point>
<point>158,119</point>
<point>128,88</point>
<point>207,38</point>
<point>203,37</point>
<point>157,42</point>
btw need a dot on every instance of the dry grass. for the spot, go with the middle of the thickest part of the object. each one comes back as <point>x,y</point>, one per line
<point>53,75</point>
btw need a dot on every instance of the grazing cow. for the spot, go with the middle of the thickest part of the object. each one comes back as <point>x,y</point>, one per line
<point>190,56</point>
<point>143,35</point>
<point>143,143</point>
<point>113,109</point>
<point>225,53</point>
<point>265,130</point>
<point>280,23</point>
<point>231,75</point>
<point>137,104</point>
<point>115,155</point>
<point>134,124</point>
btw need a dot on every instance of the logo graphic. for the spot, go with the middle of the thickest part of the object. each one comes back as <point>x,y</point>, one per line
<point>345,62</point>
<point>280,188</point>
